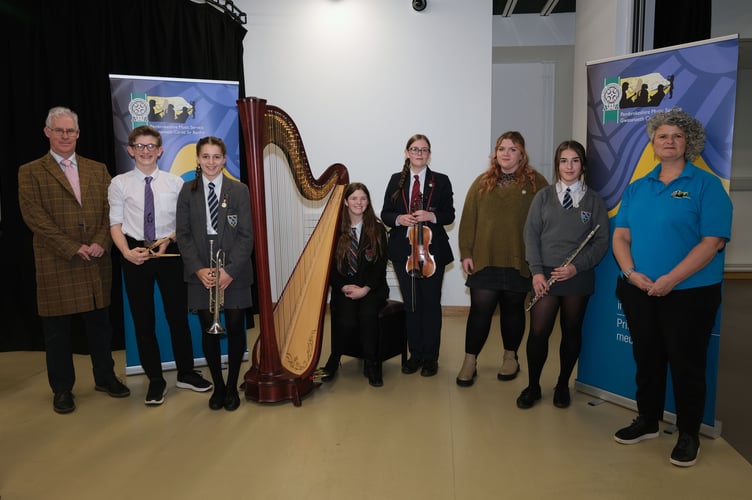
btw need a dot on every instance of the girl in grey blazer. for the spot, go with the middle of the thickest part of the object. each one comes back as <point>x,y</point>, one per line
<point>216,208</point>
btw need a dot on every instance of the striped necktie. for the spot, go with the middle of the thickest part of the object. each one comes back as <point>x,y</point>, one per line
<point>213,206</point>
<point>352,253</point>
<point>567,202</point>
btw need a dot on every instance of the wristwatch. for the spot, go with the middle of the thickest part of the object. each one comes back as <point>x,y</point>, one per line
<point>628,273</point>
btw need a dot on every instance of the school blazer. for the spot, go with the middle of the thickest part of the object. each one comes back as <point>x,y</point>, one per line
<point>439,199</point>
<point>234,231</point>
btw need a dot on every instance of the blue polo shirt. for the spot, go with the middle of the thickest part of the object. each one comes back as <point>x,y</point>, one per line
<point>667,221</point>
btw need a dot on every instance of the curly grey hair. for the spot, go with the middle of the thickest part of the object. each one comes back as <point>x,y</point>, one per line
<point>693,130</point>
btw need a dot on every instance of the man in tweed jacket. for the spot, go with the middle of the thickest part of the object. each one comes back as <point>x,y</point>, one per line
<point>72,244</point>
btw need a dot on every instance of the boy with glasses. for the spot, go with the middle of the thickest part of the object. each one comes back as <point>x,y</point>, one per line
<point>143,205</point>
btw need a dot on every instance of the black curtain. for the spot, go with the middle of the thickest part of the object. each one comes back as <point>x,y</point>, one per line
<point>681,21</point>
<point>61,53</point>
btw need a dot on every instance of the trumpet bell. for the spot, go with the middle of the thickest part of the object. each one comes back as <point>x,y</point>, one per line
<point>216,329</point>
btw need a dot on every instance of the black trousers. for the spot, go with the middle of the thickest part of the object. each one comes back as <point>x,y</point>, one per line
<point>671,332</point>
<point>167,273</point>
<point>358,318</point>
<point>59,349</point>
<point>422,298</point>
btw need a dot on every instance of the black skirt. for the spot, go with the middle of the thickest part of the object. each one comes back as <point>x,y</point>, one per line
<point>580,284</point>
<point>505,279</point>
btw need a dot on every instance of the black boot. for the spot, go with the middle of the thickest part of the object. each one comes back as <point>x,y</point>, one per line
<point>373,369</point>
<point>330,368</point>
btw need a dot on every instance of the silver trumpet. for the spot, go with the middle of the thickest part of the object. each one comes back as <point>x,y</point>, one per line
<point>216,296</point>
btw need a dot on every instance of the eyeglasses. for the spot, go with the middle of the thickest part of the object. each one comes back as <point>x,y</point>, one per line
<point>63,131</point>
<point>422,151</point>
<point>141,147</point>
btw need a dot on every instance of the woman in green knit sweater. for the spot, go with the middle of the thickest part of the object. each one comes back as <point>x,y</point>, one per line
<point>493,253</point>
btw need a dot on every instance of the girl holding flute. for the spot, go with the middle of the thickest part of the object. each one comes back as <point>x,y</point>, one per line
<point>215,208</point>
<point>560,218</point>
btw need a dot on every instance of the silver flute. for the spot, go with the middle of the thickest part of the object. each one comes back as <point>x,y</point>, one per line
<point>566,262</point>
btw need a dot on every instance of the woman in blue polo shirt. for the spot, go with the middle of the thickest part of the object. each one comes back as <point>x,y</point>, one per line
<point>669,241</point>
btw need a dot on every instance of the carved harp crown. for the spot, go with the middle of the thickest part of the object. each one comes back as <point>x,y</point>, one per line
<point>287,350</point>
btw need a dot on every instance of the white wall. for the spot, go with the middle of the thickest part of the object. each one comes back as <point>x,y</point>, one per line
<point>359,77</point>
<point>729,17</point>
<point>603,29</point>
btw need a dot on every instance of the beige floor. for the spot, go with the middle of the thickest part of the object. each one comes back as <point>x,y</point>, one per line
<point>414,438</point>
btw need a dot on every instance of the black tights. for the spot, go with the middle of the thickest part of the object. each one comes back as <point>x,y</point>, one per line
<point>511,318</point>
<point>542,318</point>
<point>236,341</point>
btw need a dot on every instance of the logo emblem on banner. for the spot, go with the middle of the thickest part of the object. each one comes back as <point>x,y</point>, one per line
<point>642,91</point>
<point>138,107</point>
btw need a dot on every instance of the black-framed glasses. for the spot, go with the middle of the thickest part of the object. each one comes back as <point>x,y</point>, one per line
<point>422,151</point>
<point>141,147</point>
<point>63,131</point>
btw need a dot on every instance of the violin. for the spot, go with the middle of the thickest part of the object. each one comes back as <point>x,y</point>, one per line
<point>420,262</point>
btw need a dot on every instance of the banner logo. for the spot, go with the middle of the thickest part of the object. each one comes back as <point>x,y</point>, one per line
<point>642,91</point>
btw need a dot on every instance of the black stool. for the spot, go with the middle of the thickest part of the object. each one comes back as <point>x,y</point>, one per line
<point>392,339</point>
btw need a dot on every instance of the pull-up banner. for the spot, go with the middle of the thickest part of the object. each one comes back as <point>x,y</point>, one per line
<point>183,111</point>
<point>623,93</point>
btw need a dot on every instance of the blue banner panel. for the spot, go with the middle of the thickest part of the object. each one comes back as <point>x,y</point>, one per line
<point>623,93</point>
<point>183,111</point>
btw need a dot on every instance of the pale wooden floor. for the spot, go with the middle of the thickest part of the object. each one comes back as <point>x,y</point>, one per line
<point>422,438</point>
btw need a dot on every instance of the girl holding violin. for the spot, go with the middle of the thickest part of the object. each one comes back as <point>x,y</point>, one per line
<point>493,253</point>
<point>418,203</point>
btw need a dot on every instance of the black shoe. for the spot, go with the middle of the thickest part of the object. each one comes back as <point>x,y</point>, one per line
<point>412,365</point>
<point>430,368</point>
<point>562,399</point>
<point>639,430</point>
<point>193,381</point>
<point>115,389</point>
<point>528,397</point>
<point>217,399</point>
<point>62,402</point>
<point>468,382</point>
<point>374,373</point>
<point>232,400</point>
<point>686,450</point>
<point>330,368</point>
<point>156,393</point>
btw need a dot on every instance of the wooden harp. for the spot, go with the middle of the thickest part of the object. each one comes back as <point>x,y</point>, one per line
<point>285,355</point>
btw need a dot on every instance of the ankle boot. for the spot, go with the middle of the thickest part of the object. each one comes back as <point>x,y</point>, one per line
<point>467,374</point>
<point>373,368</point>
<point>217,399</point>
<point>509,366</point>
<point>330,369</point>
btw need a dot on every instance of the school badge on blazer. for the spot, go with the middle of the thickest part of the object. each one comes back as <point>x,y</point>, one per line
<point>232,220</point>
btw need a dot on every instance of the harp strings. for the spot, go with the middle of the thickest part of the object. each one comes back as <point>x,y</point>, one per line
<point>295,243</point>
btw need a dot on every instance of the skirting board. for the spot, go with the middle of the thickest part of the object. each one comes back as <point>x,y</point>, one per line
<point>170,365</point>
